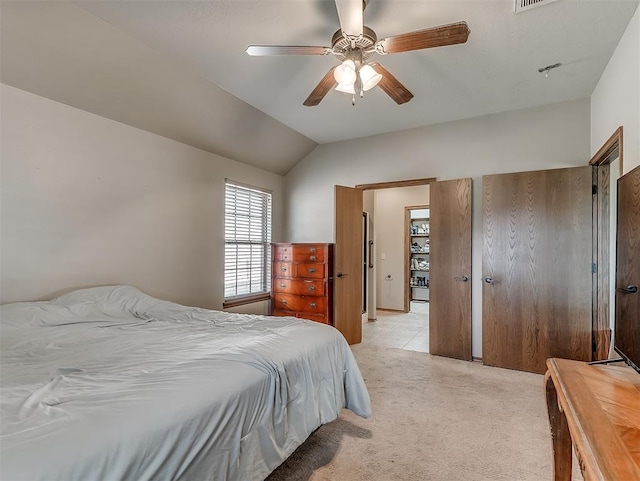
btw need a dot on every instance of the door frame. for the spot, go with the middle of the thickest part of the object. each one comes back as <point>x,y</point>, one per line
<point>611,150</point>
<point>392,185</point>
<point>396,183</point>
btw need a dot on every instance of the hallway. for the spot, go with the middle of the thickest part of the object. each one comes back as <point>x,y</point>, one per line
<point>409,331</point>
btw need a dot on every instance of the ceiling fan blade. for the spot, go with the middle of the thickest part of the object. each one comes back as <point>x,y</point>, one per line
<point>261,50</point>
<point>431,37</point>
<point>322,89</point>
<point>391,86</point>
<point>350,15</point>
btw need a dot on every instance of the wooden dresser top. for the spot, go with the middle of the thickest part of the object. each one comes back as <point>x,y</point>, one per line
<point>602,406</point>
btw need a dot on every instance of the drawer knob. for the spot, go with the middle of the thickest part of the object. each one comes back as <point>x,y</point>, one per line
<point>284,302</point>
<point>283,269</point>
<point>312,305</point>
<point>312,270</point>
<point>312,249</point>
<point>312,288</point>
<point>283,285</point>
<point>312,258</point>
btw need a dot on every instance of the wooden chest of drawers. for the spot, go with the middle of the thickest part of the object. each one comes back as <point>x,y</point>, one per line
<point>302,281</point>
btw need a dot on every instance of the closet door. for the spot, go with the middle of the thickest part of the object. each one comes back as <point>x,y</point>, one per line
<point>536,261</point>
<point>450,269</point>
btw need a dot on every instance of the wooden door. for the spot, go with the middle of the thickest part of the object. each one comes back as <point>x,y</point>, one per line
<point>628,264</point>
<point>536,261</point>
<point>450,269</point>
<point>348,264</point>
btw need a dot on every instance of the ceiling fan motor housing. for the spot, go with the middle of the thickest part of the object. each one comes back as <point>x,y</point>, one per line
<point>344,46</point>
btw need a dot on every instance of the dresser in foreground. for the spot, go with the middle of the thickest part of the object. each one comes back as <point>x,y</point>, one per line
<point>302,281</point>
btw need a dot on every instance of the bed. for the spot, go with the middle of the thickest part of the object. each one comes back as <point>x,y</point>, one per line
<point>110,383</point>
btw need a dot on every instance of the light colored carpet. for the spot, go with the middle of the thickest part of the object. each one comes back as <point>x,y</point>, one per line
<point>433,419</point>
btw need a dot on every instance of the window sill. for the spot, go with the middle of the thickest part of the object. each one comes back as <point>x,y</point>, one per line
<point>242,300</point>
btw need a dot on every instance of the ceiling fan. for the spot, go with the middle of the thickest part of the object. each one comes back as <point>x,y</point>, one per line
<point>354,44</point>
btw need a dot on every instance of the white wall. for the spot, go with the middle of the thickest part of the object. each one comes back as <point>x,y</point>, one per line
<point>89,201</point>
<point>616,99</point>
<point>546,137</point>
<point>389,241</point>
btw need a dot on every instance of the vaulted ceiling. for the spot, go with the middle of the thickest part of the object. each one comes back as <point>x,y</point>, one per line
<point>179,68</point>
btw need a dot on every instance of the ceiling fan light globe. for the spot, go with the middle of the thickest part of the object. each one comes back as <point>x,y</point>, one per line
<point>346,88</point>
<point>345,73</point>
<point>369,77</point>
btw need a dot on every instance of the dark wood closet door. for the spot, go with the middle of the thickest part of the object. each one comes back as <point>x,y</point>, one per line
<point>450,269</point>
<point>536,261</point>
<point>628,263</point>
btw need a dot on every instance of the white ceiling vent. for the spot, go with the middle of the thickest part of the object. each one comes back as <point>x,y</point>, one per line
<point>522,5</point>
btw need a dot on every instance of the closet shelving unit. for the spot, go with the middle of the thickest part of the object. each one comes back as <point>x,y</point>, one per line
<point>419,258</point>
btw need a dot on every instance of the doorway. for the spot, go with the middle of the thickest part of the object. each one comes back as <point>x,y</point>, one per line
<point>391,320</point>
<point>388,273</point>
<point>416,258</point>
<point>607,164</point>
<point>448,331</point>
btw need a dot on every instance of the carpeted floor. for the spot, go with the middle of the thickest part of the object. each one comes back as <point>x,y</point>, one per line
<point>433,419</point>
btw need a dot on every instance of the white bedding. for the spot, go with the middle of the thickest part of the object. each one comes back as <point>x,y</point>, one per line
<point>109,383</point>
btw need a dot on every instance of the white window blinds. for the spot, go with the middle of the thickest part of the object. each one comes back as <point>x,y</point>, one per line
<point>247,238</point>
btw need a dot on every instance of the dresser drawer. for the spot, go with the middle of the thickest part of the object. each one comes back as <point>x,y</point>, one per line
<point>299,253</point>
<point>313,317</point>
<point>281,313</point>
<point>283,252</point>
<point>308,253</point>
<point>301,287</point>
<point>279,284</point>
<point>290,302</point>
<point>283,269</point>
<point>315,271</point>
<point>301,315</point>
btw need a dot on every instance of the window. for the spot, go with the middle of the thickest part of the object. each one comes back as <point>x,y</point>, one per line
<point>247,239</point>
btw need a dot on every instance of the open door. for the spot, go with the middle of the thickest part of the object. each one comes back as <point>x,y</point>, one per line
<point>537,268</point>
<point>628,264</point>
<point>347,285</point>
<point>450,269</point>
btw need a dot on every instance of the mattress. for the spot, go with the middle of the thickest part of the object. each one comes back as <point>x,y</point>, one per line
<point>110,383</point>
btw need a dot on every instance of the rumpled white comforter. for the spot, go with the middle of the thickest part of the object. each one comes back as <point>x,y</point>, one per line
<point>109,383</point>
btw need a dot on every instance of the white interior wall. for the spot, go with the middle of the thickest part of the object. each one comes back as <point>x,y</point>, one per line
<point>616,99</point>
<point>548,137</point>
<point>390,239</point>
<point>89,201</point>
